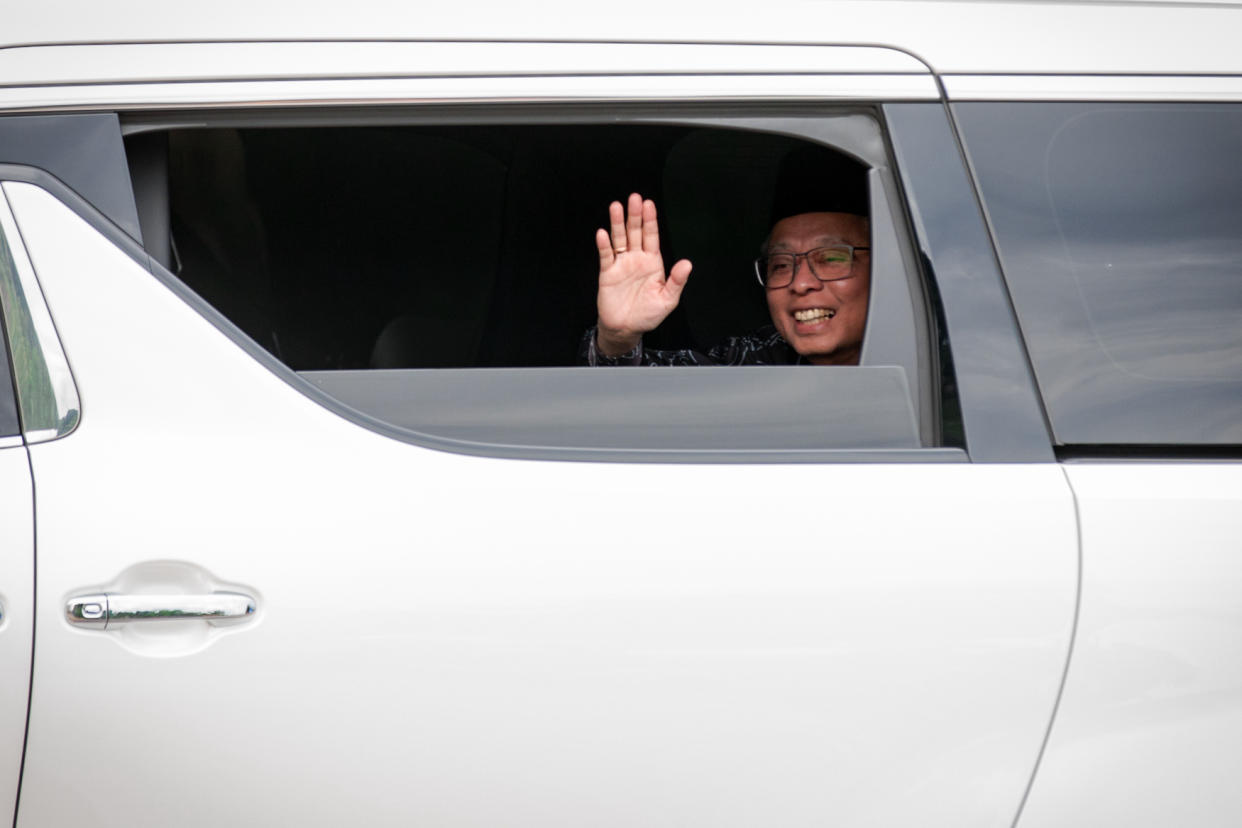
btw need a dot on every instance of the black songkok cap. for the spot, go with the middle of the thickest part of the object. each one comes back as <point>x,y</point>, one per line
<point>814,179</point>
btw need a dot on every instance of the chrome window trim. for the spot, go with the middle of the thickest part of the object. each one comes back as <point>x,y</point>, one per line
<point>1113,88</point>
<point>156,62</point>
<point>613,89</point>
<point>64,390</point>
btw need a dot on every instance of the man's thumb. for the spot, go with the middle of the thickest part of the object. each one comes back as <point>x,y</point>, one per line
<point>680,273</point>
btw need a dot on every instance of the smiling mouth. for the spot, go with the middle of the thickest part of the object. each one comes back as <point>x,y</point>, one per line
<point>814,314</point>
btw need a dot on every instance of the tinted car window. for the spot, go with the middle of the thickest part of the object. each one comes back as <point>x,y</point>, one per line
<point>1118,229</point>
<point>46,393</point>
<point>9,425</point>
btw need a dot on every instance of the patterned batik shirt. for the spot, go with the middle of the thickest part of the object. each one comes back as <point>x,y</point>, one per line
<point>763,347</point>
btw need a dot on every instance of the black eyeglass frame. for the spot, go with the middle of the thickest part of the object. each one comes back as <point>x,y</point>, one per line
<point>794,272</point>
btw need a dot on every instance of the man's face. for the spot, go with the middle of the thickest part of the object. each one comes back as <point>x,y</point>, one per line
<point>834,313</point>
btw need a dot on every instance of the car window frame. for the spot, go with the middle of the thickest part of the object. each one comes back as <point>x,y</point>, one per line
<point>900,323</point>
<point>895,192</point>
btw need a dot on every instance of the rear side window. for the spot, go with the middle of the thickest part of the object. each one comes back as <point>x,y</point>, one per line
<point>9,426</point>
<point>47,396</point>
<point>1120,233</point>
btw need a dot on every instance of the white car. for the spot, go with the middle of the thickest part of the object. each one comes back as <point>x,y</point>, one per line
<point>310,516</point>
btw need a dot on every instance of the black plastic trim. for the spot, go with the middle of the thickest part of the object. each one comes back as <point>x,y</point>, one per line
<point>83,150</point>
<point>1149,454</point>
<point>1002,413</point>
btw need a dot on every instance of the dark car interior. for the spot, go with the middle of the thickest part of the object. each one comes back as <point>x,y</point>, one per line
<point>449,246</point>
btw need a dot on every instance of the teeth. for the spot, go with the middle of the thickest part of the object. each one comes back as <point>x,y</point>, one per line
<point>813,314</point>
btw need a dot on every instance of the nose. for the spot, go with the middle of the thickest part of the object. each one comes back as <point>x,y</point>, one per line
<point>804,281</point>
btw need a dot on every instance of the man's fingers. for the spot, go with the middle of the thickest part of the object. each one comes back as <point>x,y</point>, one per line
<point>604,244</point>
<point>651,230</point>
<point>616,219</point>
<point>634,223</point>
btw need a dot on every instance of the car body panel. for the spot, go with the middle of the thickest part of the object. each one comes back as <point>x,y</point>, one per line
<point>468,640</point>
<point>952,37</point>
<point>1150,720</point>
<point>16,614</point>
<point>1112,88</point>
<point>218,74</point>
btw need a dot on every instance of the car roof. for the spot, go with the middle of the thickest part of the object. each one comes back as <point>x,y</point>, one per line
<point>964,37</point>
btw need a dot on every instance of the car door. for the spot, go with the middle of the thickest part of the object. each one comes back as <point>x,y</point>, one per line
<point>389,630</point>
<point>16,551</point>
<point>1124,274</point>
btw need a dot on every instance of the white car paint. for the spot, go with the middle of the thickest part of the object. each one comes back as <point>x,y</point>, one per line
<point>969,36</point>
<point>1148,729</point>
<point>470,641</point>
<point>17,609</point>
<point>1092,88</point>
<point>120,75</point>
<point>425,635</point>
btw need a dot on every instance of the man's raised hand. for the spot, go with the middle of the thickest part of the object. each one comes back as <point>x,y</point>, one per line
<point>634,295</point>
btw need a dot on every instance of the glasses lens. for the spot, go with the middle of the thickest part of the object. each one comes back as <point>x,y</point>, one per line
<point>777,269</point>
<point>830,262</point>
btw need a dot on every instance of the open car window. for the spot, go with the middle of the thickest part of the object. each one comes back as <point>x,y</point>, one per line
<point>361,256</point>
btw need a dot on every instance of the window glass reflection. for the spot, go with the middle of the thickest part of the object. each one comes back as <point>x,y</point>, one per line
<point>45,388</point>
<point>1119,230</point>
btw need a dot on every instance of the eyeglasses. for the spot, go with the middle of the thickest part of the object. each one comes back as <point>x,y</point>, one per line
<point>777,270</point>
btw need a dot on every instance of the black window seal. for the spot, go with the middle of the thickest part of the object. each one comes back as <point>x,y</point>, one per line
<point>1128,453</point>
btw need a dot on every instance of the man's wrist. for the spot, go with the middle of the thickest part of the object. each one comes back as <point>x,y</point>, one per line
<point>614,344</point>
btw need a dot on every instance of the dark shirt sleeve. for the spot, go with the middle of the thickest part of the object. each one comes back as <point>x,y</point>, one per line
<point>763,347</point>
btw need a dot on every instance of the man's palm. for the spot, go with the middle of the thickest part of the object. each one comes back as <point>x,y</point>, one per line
<point>634,295</point>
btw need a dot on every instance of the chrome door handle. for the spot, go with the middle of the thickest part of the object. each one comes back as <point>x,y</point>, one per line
<point>103,610</point>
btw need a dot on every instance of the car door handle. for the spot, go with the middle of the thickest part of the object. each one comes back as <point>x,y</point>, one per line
<point>103,610</point>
